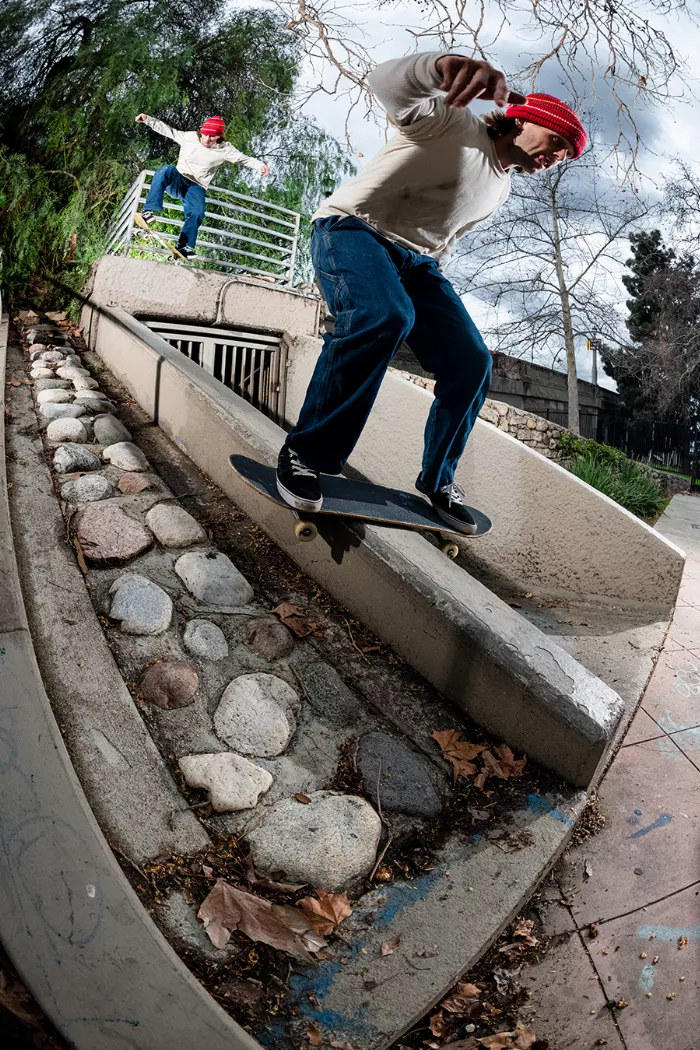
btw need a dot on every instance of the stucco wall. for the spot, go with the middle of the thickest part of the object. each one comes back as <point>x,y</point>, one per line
<point>553,535</point>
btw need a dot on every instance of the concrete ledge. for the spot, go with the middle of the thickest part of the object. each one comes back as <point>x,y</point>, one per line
<point>492,663</point>
<point>141,287</point>
<point>71,924</point>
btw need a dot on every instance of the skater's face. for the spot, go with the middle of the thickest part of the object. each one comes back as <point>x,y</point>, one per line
<point>209,140</point>
<point>534,149</point>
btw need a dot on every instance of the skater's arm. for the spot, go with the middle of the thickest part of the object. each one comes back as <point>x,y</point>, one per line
<point>234,156</point>
<point>410,88</point>
<point>161,128</point>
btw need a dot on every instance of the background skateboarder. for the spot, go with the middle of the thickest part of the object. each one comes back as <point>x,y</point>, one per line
<point>375,247</point>
<point>201,154</point>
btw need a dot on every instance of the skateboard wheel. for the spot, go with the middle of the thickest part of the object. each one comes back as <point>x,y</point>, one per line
<point>305,531</point>
<point>450,549</point>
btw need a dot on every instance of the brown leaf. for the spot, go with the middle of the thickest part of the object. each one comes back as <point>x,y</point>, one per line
<point>297,621</point>
<point>389,947</point>
<point>130,484</point>
<point>304,799</point>
<point>279,887</point>
<point>327,912</point>
<point>465,1001</point>
<point>341,1046</point>
<point>439,1024</point>
<point>227,908</point>
<point>458,752</point>
<point>500,1041</point>
<point>524,931</point>
<point>314,1036</point>
<point>471,991</point>
<point>481,779</point>
<point>243,993</point>
<point>524,1037</point>
<point>299,924</point>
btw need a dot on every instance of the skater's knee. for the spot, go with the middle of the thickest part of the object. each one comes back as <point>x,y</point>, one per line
<point>396,320</point>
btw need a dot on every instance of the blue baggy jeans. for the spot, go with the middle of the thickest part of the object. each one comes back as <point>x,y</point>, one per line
<point>382,294</point>
<point>169,180</point>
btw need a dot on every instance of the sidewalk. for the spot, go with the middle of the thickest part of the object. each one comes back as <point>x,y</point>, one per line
<point>623,908</point>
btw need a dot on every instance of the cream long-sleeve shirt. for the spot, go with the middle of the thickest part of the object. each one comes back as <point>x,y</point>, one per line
<point>198,162</point>
<point>437,178</point>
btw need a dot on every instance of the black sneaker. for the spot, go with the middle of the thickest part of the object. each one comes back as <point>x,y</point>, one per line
<point>448,502</point>
<point>299,486</point>
<point>184,249</point>
<point>147,215</point>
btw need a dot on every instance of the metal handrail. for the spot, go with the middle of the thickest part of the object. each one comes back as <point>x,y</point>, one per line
<point>126,238</point>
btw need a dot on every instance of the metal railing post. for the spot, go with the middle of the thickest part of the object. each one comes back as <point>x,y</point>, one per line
<point>293,256</point>
<point>139,184</point>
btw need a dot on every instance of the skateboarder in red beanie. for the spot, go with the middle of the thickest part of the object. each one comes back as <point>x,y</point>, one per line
<point>201,153</point>
<point>376,245</point>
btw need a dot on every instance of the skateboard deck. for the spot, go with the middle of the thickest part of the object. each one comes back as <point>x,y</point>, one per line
<point>345,498</point>
<point>140,221</point>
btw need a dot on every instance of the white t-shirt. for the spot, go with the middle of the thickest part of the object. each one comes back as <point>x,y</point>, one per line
<point>437,178</point>
<point>198,162</point>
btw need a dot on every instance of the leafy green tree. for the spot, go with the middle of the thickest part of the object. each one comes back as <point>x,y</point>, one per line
<point>73,76</point>
<point>658,372</point>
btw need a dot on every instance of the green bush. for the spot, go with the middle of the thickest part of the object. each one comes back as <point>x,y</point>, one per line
<point>623,480</point>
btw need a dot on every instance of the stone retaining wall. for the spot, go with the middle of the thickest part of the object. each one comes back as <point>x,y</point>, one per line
<point>540,433</point>
<point>534,431</point>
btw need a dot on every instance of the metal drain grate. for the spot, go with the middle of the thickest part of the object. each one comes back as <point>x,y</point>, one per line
<point>252,364</point>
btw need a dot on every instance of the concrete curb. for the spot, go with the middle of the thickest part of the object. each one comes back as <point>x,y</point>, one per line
<point>71,924</point>
<point>456,911</point>
<point>505,673</point>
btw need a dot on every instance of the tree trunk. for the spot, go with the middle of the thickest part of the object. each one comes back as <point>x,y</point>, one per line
<point>572,377</point>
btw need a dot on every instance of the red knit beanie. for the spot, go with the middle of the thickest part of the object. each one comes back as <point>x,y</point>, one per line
<point>213,126</point>
<point>550,112</point>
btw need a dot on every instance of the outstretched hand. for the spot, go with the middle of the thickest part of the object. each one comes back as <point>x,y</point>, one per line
<point>264,170</point>
<point>141,117</point>
<point>465,79</point>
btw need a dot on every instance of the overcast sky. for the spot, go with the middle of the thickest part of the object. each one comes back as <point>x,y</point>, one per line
<point>667,131</point>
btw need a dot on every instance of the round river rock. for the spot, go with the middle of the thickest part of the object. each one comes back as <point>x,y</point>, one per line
<point>142,606</point>
<point>328,842</point>
<point>107,534</point>
<point>256,715</point>
<point>169,684</point>
<point>232,781</point>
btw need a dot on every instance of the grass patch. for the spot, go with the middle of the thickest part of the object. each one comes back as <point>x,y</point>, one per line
<point>615,475</point>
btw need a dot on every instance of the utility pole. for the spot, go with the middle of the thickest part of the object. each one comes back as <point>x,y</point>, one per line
<point>592,346</point>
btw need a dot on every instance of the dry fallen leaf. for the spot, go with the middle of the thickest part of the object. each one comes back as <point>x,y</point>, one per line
<point>439,1024</point>
<point>501,1041</point>
<point>327,912</point>
<point>314,1036</point>
<point>524,1037</point>
<point>304,799</point>
<point>242,992</point>
<point>297,621</point>
<point>458,752</point>
<point>521,1038</point>
<point>227,908</point>
<point>389,947</point>
<point>682,941</point>
<point>131,484</point>
<point>524,931</point>
<point>503,764</point>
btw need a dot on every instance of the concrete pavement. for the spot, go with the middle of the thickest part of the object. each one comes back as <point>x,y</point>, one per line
<point>624,907</point>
